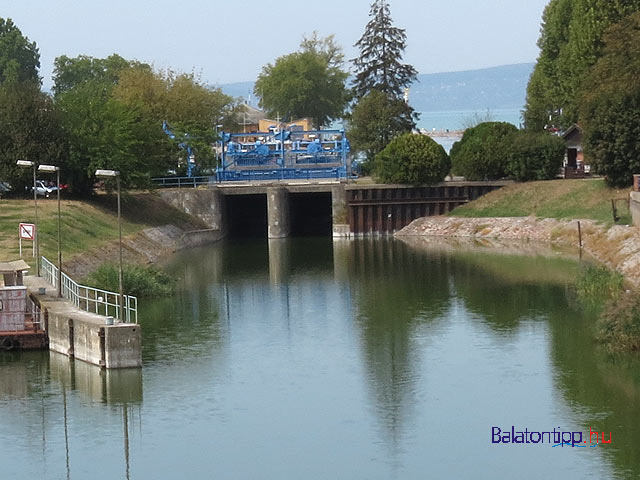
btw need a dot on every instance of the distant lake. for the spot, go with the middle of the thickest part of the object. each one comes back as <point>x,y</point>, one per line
<point>458,119</point>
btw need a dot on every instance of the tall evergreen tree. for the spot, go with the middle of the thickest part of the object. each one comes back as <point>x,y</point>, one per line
<point>379,65</point>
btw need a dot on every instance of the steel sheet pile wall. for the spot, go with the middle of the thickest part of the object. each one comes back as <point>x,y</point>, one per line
<point>388,209</point>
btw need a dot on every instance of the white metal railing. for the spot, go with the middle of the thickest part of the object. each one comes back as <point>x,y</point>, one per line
<point>91,299</point>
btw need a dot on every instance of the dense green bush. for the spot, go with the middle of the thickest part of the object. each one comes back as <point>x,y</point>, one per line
<point>137,280</point>
<point>412,159</point>
<point>535,156</point>
<point>483,151</point>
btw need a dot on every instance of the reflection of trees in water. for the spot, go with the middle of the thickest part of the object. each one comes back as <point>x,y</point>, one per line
<point>603,391</point>
<point>187,323</point>
<point>607,389</point>
<point>395,290</point>
<point>501,302</point>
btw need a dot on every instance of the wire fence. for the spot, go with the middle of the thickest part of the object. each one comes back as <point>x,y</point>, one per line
<point>89,299</point>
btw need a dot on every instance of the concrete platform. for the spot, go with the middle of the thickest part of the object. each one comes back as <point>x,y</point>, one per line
<point>83,335</point>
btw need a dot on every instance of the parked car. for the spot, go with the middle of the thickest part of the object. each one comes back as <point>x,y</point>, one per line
<point>5,188</point>
<point>44,190</point>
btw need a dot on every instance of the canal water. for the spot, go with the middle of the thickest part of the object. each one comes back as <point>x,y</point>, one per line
<point>313,359</point>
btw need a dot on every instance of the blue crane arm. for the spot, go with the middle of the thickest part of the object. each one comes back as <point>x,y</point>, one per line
<point>167,130</point>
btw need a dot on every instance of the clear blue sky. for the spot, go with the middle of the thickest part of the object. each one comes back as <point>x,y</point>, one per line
<point>230,41</point>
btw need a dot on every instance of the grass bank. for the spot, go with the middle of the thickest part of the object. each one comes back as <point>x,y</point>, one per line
<point>559,199</point>
<point>85,225</point>
<point>618,325</point>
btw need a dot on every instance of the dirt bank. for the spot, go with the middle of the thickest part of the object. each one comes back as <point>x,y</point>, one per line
<point>617,247</point>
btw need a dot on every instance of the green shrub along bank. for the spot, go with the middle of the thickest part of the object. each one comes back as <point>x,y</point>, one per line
<point>141,281</point>
<point>618,326</point>
<point>482,152</point>
<point>599,284</point>
<point>495,150</point>
<point>412,159</point>
<point>534,156</point>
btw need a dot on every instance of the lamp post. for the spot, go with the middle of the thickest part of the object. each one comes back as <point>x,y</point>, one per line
<point>115,174</point>
<point>51,169</point>
<point>26,164</point>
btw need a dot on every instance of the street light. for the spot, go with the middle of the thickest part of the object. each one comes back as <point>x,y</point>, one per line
<point>26,164</point>
<point>51,169</point>
<point>115,174</point>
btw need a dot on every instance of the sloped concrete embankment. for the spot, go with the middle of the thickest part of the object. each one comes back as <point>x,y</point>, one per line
<point>145,247</point>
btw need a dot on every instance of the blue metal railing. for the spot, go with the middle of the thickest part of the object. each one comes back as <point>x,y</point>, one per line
<point>281,174</point>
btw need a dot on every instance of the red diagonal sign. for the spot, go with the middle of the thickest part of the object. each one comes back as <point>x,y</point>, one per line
<point>27,231</point>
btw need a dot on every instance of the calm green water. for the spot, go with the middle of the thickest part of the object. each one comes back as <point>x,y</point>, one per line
<point>308,359</point>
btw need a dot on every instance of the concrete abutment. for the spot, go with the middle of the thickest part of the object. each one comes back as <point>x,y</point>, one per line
<point>303,209</point>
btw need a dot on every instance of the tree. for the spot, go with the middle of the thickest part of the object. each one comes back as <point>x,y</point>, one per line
<point>535,156</point>
<point>19,58</point>
<point>112,110</point>
<point>381,47</point>
<point>571,42</point>
<point>324,46</point>
<point>610,106</point>
<point>103,133</point>
<point>71,72</point>
<point>30,129</point>
<point>412,159</point>
<point>184,102</point>
<point>483,151</point>
<point>307,83</point>
<point>375,120</point>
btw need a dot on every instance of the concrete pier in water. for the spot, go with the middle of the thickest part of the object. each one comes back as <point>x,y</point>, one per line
<point>83,335</point>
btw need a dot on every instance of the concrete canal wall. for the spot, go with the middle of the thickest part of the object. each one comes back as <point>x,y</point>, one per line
<point>354,210</point>
<point>85,336</point>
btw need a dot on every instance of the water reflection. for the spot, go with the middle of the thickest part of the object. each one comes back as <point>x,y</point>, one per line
<point>111,387</point>
<point>43,394</point>
<point>291,352</point>
<point>505,290</point>
<point>605,389</point>
<point>395,290</point>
